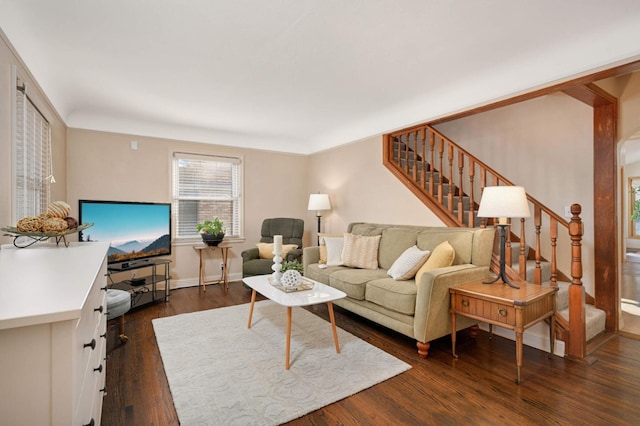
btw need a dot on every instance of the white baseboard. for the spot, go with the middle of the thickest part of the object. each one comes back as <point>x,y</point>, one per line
<point>536,336</point>
<point>193,282</point>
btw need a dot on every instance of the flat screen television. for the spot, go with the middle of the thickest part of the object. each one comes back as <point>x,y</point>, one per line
<point>136,231</point>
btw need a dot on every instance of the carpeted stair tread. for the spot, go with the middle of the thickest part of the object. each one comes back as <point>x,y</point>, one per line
<point>594,318</point>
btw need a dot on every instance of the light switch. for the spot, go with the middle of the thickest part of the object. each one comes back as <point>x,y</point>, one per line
<point>134,145</point>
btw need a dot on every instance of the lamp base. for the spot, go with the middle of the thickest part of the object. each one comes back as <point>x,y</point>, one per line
<point>502,274</point>
<point>504,280</point>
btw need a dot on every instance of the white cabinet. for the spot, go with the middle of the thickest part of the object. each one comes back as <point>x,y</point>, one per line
<point>52,334</point>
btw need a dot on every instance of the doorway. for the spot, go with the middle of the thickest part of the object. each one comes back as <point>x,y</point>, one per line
<point>630,203</point>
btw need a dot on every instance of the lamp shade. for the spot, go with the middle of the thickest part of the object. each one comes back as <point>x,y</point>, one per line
<point>504,202</point>
<point>319,202</point>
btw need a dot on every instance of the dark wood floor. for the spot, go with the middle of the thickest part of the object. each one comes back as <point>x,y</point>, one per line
<point>477,389</point>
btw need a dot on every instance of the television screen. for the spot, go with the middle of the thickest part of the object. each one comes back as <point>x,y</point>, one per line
<point>134,230</point>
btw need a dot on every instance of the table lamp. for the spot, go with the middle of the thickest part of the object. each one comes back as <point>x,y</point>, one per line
<point>503,202</point>
<point>319,202</point>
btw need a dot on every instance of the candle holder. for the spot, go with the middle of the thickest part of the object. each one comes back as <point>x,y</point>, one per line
<point>277,266</point>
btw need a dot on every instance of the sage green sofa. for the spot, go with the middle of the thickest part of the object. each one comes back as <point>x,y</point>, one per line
<point>420,311</point>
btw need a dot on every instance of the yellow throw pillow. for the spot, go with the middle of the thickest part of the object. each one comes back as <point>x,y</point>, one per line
<point>441,257</point>
<point>360,251</point>
<point>265,250</point>
<point>323,246</point>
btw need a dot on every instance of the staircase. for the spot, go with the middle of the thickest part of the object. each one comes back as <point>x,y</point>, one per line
<point>450,181</point>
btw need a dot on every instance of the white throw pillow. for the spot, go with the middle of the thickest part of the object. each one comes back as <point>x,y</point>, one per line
<point>334,250</point>
<point>406,266</point>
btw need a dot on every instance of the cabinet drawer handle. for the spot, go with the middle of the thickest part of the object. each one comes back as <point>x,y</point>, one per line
<point>502,312</point>
<point>104,288</point>
<point>91,423</point>
<point>465,303</point>
<point>98,309</point>
<point>99,369</point>
<point>91,344</point>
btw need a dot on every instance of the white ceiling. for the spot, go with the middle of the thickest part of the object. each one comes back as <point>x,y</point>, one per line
<point>303,75</point>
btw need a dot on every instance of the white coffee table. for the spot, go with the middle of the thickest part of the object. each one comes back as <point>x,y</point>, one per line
<point>320,293</point>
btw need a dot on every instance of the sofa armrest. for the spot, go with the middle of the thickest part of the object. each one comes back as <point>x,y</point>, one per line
<point>432,316</point>
<point>310,255</point>
<point>249,254</point>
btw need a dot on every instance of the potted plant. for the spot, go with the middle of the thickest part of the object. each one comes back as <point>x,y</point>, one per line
<point>211,231</point>
<point>292,264</point>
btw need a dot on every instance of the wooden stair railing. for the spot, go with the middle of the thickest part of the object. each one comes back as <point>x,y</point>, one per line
<point>450,181</point>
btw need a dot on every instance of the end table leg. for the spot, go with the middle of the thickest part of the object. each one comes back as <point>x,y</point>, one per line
<point>333,326</point>
<point>286,362</point>
<point>453,334</point>
<point>518,353</point>
<point>253,301</point>
<point>552,335</point>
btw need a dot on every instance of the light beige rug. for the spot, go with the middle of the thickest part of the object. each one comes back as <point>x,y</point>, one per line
<point>221,373</point>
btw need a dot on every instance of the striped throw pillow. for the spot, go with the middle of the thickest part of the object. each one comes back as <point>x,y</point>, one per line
<point>360,251</point>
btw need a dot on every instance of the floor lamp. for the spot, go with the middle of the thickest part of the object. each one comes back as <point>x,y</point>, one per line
<point>503,202</point>
<point>319,202</point>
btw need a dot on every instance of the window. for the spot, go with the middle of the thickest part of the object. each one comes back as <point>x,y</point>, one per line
<point>32,157</point>
<point>205,187</point>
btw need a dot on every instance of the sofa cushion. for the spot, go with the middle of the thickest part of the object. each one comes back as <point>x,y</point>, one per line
<point>369,229</point>
<point>406,266</point>
<point>460,239</point>
<point>321,273</point>
<point>353,281</point>
<point>441,257</point>
<point>360,251</point>
<point>394,242</point>
<point>398,296</point>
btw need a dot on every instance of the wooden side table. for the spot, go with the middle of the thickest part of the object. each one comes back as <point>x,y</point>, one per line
<point>501,305</point>
<point>224,255</point>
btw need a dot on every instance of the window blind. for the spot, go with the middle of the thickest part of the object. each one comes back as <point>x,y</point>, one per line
<point>32,158</point>
<point>205,187</point>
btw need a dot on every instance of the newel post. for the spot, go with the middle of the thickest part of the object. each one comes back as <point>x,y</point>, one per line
<point>577,335</point>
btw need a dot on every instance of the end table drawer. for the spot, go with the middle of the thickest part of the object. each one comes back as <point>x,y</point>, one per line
<point>496,312</point>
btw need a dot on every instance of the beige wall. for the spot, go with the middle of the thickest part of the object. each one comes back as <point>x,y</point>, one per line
<point>8,59</point>
<point>103,166</point>
<point>362,189</point>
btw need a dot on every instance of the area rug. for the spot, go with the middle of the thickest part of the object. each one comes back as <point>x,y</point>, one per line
<point>222,373</point>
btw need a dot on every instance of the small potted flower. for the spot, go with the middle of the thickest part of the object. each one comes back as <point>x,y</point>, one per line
<point>211,231</point>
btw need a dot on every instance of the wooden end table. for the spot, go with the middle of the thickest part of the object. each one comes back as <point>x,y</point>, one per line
<point>501,305</point>
<point>224,256</point>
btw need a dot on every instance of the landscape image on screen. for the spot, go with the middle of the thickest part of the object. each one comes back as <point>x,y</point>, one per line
<point>134,230</point>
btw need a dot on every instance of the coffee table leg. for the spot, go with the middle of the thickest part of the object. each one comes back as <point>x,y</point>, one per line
<point>253,301</point>
<point>333,326</point>
<point>286,362</point>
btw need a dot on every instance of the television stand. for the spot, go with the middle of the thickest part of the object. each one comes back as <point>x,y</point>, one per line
<point>143,289</point>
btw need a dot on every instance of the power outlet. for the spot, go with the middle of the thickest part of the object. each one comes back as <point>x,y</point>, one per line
<point>567,211</point>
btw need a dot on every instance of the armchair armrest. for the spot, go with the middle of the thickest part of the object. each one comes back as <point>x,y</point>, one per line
<point>250,254</point>
<point>295,254</point>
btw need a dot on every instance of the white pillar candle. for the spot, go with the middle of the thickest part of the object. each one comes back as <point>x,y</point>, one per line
<point>277,243</point>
